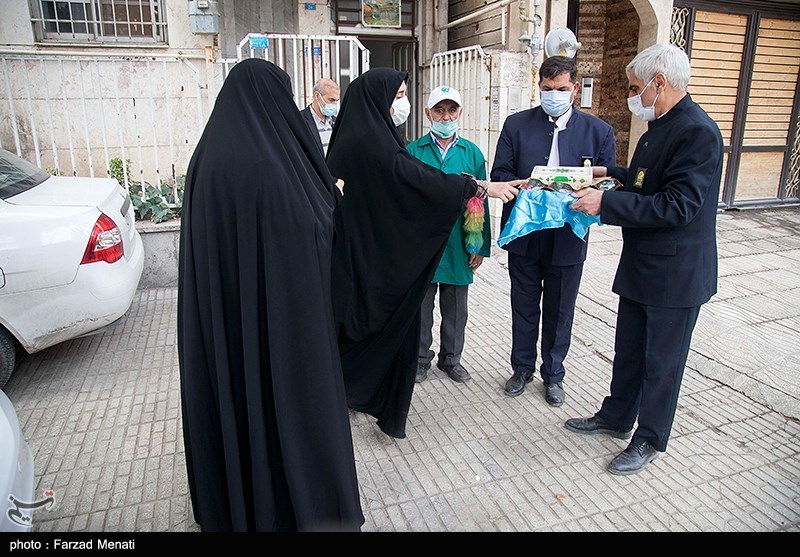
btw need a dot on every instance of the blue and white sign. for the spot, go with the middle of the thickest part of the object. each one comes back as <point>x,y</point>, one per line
<point>258,42</point>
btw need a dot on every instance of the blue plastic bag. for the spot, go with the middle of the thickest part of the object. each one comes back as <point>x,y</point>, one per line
<point>538,209</point>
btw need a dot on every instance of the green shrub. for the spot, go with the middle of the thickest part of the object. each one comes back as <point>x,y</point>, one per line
<point>157,203</point>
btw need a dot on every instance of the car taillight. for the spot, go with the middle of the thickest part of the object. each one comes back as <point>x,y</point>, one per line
<point>105,243</point>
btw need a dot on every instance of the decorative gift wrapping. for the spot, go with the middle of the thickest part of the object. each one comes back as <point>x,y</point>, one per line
<point>575,177</point>
<point>473,225</point>
<point>547,205</point>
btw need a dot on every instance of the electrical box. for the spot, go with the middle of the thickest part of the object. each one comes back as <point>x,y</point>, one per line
<point>203,17</point>
<point>587,85</point>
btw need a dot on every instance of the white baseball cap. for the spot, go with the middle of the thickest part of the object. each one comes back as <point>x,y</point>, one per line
<point>444,93</point>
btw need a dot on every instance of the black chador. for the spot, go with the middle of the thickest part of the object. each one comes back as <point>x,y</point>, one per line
<point>392,227</point>
<point>265,421</point>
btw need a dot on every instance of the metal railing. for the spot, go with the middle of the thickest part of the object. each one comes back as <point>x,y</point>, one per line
<point>73,115</point>
<point>307,58</point>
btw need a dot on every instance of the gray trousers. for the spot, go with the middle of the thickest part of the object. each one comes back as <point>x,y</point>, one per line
<point>453,307</point>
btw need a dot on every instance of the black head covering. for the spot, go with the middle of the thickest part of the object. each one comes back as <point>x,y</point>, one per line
<point>265,422</point>
<point>367,100</point>
<point>392,227</point>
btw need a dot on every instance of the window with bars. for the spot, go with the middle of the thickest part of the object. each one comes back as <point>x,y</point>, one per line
<point>99,20</point>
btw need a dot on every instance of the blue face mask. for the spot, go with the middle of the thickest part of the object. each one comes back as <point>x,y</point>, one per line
<point>444,129</point>
<point>556,103</point>
<point>328,110</point>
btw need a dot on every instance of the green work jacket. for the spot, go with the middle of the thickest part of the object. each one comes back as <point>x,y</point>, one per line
<point>467,157</point>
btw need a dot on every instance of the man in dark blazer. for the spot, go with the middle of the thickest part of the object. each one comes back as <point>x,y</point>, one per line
<point>668,266</point>
<point>320,115</point>
<point>545,266</point>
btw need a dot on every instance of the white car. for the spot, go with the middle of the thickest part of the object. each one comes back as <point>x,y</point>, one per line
<point>16,474</point>
<point>70,257</point>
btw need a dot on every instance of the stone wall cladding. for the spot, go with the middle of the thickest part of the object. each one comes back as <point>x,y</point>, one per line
<point>609,31</point>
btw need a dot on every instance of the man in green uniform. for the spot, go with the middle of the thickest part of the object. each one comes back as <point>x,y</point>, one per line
<point>444,149</point>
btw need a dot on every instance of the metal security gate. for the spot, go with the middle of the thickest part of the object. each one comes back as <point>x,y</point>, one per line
<point>468,71</point>
<point>307,58</point>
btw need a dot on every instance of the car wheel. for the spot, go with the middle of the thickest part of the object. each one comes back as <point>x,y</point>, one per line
<point>8,353</point>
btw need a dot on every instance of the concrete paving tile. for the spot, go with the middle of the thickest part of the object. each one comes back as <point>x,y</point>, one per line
<point>96,522</point>
<point>446,515</point>
<point>79,523</point>
<point>59,525</point>
<point>102,415</point>
<point>602,522</point>
<point>465,503</point>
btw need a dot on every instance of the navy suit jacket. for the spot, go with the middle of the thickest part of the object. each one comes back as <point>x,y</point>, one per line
<point>312,125</point>
<point>525,142</point>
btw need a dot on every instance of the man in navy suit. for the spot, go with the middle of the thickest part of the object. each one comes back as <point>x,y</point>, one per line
<point>668,266</point>
<point>545,266</point>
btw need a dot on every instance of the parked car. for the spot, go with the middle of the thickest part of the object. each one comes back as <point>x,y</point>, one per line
<point>70,257</point>
<point>16,473</point>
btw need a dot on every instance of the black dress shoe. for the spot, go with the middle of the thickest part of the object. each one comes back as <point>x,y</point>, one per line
<point>422,372</point>
<point>633,459</point>
<point>554,394</point>
<point>516,385</point>
<point>595,425</point>
<point>457,372</point>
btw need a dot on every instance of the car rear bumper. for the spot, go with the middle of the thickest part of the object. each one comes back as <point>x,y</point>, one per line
<point>100,294</point>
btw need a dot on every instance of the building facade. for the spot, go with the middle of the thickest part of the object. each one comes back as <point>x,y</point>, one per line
<point>87,81</point>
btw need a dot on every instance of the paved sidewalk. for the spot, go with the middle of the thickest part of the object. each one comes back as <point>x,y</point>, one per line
<point>102,416</point>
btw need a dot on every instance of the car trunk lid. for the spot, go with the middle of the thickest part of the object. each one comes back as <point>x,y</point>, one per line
<point>103,193</point>
<point>68,191</point>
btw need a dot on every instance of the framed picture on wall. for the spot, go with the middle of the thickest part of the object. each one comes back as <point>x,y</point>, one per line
<point>380,13</point>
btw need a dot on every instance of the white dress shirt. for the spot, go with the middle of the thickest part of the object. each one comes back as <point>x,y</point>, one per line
<point>560,124</point>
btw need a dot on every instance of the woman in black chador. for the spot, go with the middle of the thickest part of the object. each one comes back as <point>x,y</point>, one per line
<point>265,423</point>
<point>392,227</point>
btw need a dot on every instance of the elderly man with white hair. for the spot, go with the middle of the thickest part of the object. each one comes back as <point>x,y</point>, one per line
<point>321,114</point>
<point>668,266</point>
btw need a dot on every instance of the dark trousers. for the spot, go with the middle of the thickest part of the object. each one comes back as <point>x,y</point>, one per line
<point>453,307</point>
<point>535,282</point>
<point>650,350</point>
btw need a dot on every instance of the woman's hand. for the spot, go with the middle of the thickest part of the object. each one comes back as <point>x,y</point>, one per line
<point>505,190</point>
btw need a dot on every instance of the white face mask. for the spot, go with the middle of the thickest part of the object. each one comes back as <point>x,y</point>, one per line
<point>555,103</point>
<point>401,108</point>
<point>646,113</point>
